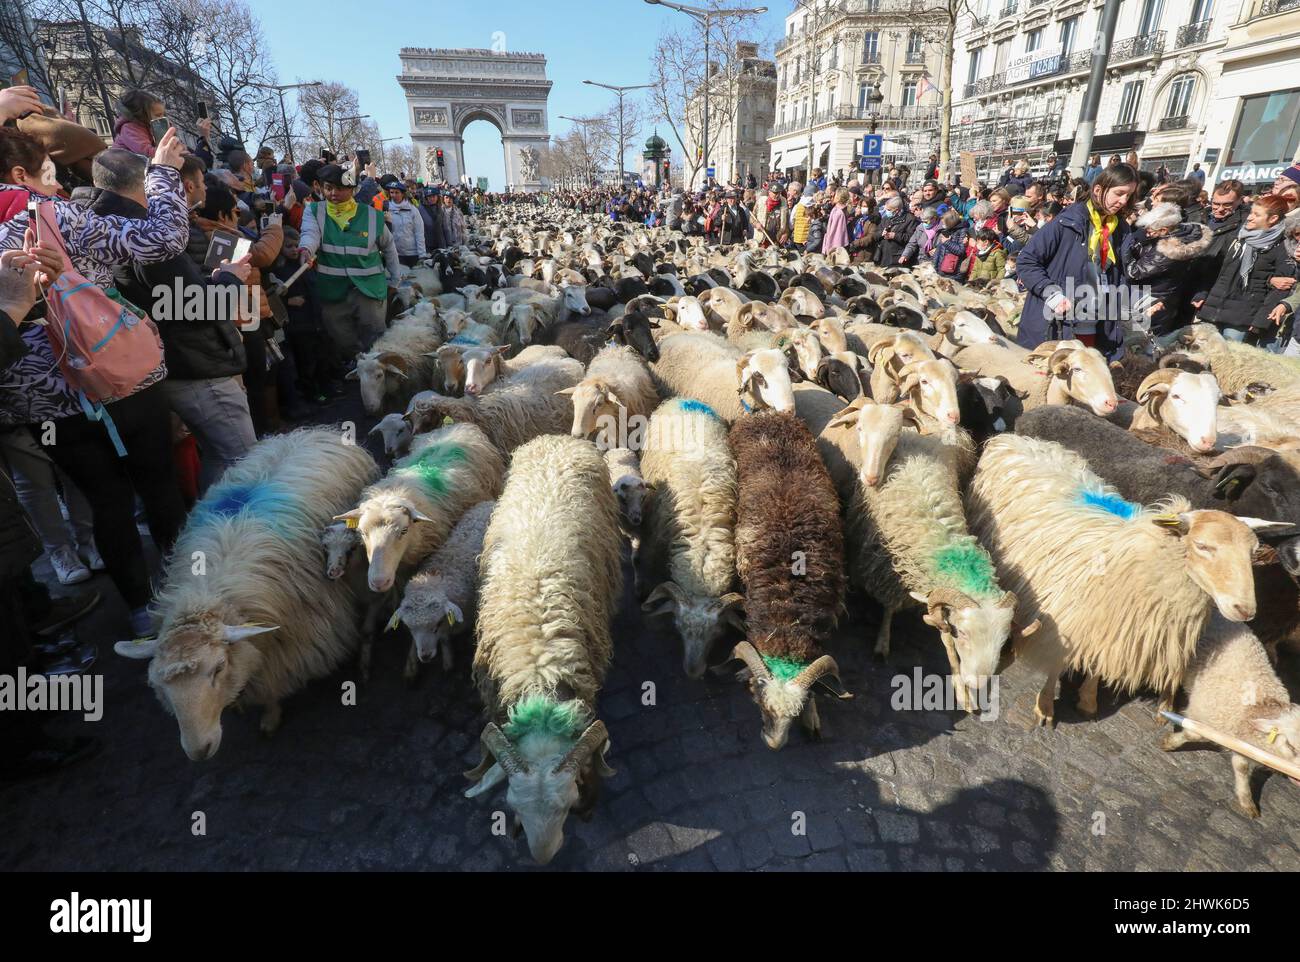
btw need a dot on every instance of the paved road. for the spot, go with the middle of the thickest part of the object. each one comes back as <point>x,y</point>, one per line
<point>378,785</point>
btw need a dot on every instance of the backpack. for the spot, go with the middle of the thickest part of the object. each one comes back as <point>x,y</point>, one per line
<point>107,348</point>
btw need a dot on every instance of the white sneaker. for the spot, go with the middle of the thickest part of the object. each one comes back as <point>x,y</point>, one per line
<point>68,566</point>
<point>90,554</point>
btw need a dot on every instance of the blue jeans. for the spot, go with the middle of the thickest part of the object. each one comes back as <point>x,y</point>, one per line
<point>1233,333</point>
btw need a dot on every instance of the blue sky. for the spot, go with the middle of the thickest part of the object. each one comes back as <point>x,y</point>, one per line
<point>356,43</point>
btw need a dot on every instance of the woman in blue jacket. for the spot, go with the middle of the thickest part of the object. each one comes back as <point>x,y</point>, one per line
<point>1073,268</point>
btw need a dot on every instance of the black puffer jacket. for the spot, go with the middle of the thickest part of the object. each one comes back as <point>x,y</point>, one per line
<point>902,225</point>
<point>1205,271</point>
<point>1233,304</point>
<point>200,348</point>
<point>1163,264</point>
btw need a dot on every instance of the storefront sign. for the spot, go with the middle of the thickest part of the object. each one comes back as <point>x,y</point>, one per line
<point>1253,173</point>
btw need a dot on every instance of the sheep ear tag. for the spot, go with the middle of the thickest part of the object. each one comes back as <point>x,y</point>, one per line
<point>351,523</point>
<point>446,419</point>
<point>394,621</point>
<point>1168,520</point>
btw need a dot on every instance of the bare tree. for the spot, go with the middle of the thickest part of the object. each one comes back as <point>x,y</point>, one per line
<point>20,40</point>
<point>324,109</point>
<point>942,16</point>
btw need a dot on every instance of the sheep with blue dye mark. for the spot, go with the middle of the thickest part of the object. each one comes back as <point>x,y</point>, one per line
<point>245,610</point>
<point>909,540</point>
<point>688,554</point>
<point>707,368</point>
<point>409,512</point>
<point>615,389</point>
<point>550,583</point>
<point>1123,592</point>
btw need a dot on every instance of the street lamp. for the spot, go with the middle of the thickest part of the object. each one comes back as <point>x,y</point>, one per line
<point>705,17</point>
<point>280,89</point>
<point>584,121</point>
<point>874,99</point>
<point>620,91</point>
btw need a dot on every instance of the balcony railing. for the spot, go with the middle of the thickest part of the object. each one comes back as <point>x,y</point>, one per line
<point>1270,7</point>
<point>1137,48</point>
<point>1075,63</point>
<point>915,56</point>
<point>1190,34</point>
<point>1176,123</point>
<point>1124,128</point>
<point>886,118</point>
<point>870,56</point>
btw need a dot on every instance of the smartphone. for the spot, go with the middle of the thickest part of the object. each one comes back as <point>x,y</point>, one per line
<point>34,217</point>
<point>363,157</point>
<point>203,110</point>
<point>159,128</point>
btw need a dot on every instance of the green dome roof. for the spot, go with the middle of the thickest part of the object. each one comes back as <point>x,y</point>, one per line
<point>655,143</point>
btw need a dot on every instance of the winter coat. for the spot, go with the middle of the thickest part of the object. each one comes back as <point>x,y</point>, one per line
<point>837,231</point>
<point>799,224</point>
<point>816,235</point>
<point>19,545</point>
<point>133,136</point>
<point>1018,185</point>
<point>1056,259</point>
<point>990,266</point>
<point>1231,303</point>
<point>1163,264</point>
<point>902,226</point>
<point>921,244</point>
<point>194,348</point>
<point>408,229</point>
<point>732,226</point>
<point>432,228</point>
<point>1205,270</point>
<point>954,244</point>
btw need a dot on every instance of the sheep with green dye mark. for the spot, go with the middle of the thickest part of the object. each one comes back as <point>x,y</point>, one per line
<point>408,513</point>
<point>909,539</point>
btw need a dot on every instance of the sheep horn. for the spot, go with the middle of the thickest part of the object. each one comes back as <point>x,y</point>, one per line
<point>1008,600</point>
<point>825,665</point>
<point>1160,376</point>
<point>950,597</point>
<point>496,747</point>
<point>752,659</point>
<point>590,742</point>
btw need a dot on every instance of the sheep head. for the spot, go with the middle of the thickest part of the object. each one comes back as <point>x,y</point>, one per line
<point>430,616</point>
<point>594,399</point>
<point>879,427</point>
<point>764,378</point>
<point>1202,342</point>
<point>395,431</point>
<point>802,303</point>
<point>932,389</point>
<point>377,374</point>
<point>483,365</point>
<point>781,701</point>
<point>385,525</point>
<point>631,491</point>
<point>547,773</point>
<point>1077,374</point>
<point>340,543</point>
<point>964,328</point>
<point>452,364</point>
<point>831,333</point>
<point>574,299</point>
<point>1188,404</point>
<point>198,667</point>
<point>700,621</point>
<point>805,349</point>
<point>975,630</point>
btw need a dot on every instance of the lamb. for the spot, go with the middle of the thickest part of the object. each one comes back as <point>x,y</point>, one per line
<point>1232,687</point>
<point>790,558</point>
<point>263,620</point>
<point>1238,365</point>
<point>396,366</point>
<point>910,540</point>
<point>439,601</point>
<point>616,389</point>
<point>688,549</point>
<point>630,488</point>
<point>520,408</point>
<point>408,513</point>
<point>1124,592</point>
<point>1055,372</point>
<point>396,433</point>
<point>550,583</point>
<point>708,369</point>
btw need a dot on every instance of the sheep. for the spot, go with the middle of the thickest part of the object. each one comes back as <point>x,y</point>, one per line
<point>1237,365</point>
<point>520,408</point>
<point>1123,591</point>
<point>263,620</point>
<point>1055,372</point>
<point>708,369</point>
<point>630,488</point>
<point>550,582</point>
<point>1177,410</point>
<point>615,389</point>
<point>1277,591</point>
<point>633,329</point>
<point>1232,687</point>
<point>1133,368</point>
<point>790,558</point>
<point>406,514</point>
<point>396,366</point>
<point>831,334</point>
<point>486,366</point>
<point>890,355</point>
<point>910,541</point>
<point>957,329</point>
<point>1256,482</point>
<point>396,433</point>
<point>843,374</point>
<point>688,545</point>
<point>439,600</point>
<point>986,405</point>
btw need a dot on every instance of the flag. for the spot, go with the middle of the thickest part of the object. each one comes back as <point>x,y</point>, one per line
<point>924,86</point>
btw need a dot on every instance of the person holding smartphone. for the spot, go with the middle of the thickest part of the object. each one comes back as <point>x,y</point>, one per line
<point>141,122</point>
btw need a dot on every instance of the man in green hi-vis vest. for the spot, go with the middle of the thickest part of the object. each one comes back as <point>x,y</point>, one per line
<point>356,262</point>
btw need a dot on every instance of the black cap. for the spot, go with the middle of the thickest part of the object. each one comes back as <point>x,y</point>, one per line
<point>331,174</point>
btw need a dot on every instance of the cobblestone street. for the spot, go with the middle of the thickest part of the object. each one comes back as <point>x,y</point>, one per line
<point>378,785</point>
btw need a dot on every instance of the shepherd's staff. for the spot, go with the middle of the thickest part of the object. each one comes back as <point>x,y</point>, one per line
<point>1210,734</point>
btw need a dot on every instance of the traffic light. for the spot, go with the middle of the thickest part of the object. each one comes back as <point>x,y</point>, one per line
<point>667,168</point>
<point>440,157</point>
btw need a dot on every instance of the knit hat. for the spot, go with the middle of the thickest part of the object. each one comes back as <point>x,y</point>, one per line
<point>1292,173</point>
<point>1161,215</point>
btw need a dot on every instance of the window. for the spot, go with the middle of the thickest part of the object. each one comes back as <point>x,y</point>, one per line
<point>1268,128</point>
<point>835,54</point>
<point>873,6</point>
<point>1033,40</point>
<point>1128,103</point>
<point>915,43</point>
<point>973,72</point>
<point>1149,21</point>
<point>1180,96</point>
<point>1001,52</point>
<point>1202,10</point>
<point>909,94</point>
<point>862,97</point>
<point>1069,31</point>
<point>871,47</point>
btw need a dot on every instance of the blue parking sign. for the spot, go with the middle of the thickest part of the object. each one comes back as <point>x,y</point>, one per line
<point>873,145</point>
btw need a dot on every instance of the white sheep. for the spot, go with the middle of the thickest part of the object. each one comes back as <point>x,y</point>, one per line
<point>1232,687</point>
<point>1238,365</point>
<point>397,365</point>
<point>440,599</point>
<point>1055,372</point>
<point>705,367</point>
<point>615,389</point>
<point>688,552</point>
<point>396,433</point>
<point>405,515</point>
<point>550,582</point>
<point>245,610</point>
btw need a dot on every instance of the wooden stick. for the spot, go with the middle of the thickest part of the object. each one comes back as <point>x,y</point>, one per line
<point>1209,734</point>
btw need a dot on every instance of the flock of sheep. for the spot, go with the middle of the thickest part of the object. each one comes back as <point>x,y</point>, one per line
<point>764,432</point>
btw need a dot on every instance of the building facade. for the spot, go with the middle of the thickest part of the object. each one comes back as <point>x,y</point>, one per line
<point>742,104</point>
<point>1021,68</point>
<point>1253,123</point>
<point>831,58</point>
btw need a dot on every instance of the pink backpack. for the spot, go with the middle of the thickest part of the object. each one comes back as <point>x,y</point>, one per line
<point>106,351</point>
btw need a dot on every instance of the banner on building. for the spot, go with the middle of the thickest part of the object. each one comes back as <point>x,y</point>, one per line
<point>1035,63</point>
<point>968,174</point>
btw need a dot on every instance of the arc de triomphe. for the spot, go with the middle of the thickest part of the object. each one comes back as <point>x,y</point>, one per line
<point>446,90</point>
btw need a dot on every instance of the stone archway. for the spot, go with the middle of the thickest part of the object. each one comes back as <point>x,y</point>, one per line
<point>447,90</point>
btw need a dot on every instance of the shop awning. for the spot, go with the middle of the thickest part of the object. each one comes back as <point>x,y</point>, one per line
<point>1105,143</point>
<point>794,157</point>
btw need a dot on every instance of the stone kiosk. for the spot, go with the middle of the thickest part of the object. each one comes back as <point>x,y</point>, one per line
<point>446,90</point>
